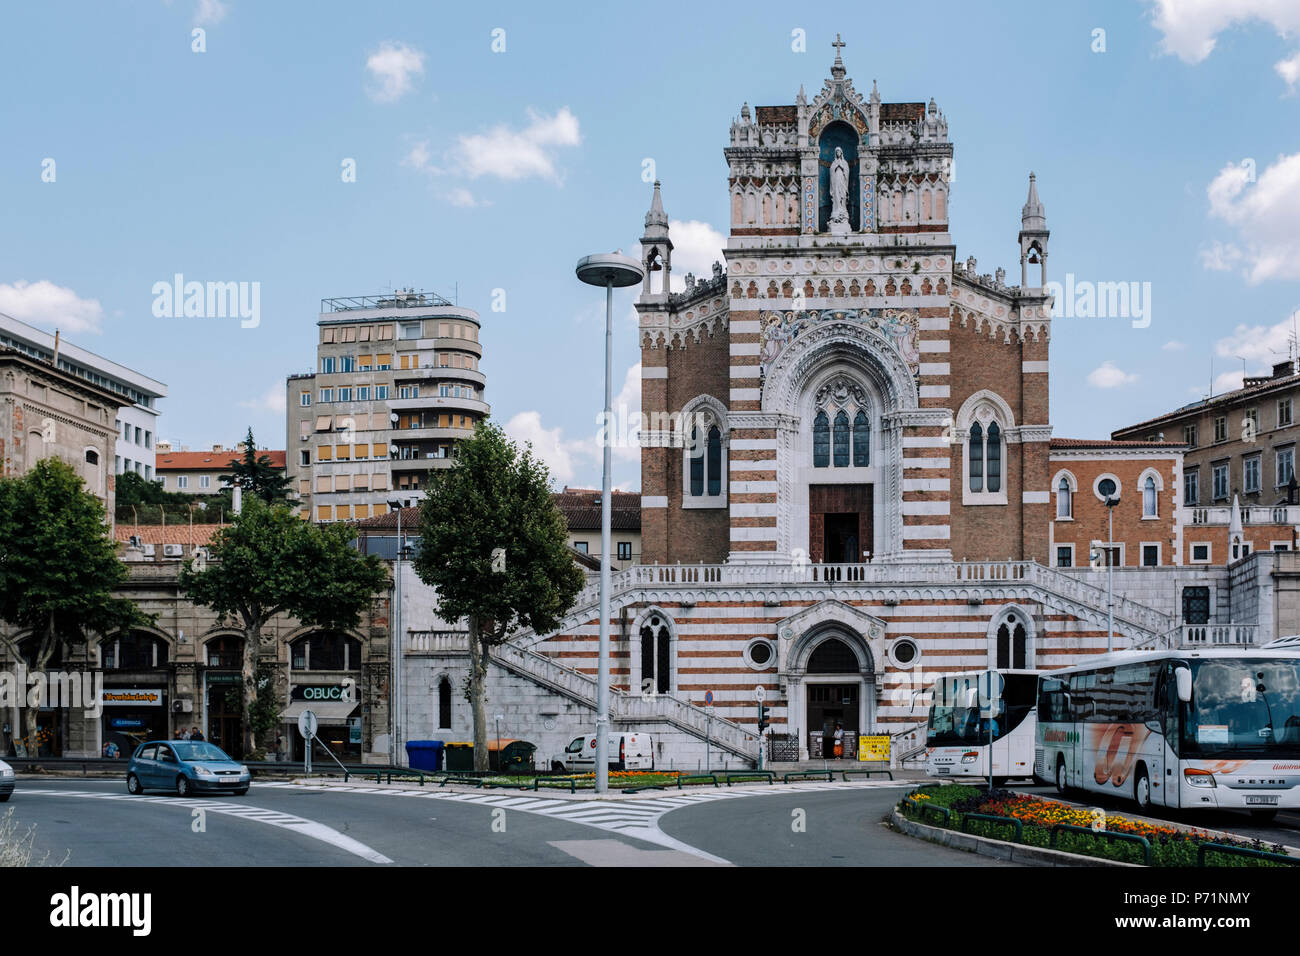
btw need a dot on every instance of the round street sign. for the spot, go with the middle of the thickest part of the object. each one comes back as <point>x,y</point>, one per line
<point>759,693</point>
<point>307,724</point>
<point>708,698</point>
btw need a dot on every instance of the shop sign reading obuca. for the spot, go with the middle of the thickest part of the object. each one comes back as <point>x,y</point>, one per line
<point>346,691</point>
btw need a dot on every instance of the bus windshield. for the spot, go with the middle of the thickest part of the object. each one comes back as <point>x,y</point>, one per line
<point>955,719</point>
<point>1246,707</point>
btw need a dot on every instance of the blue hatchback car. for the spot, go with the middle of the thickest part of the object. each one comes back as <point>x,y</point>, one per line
<point>185,766</point>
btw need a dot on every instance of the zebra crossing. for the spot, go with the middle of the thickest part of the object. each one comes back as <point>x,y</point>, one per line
<point>638,818</point>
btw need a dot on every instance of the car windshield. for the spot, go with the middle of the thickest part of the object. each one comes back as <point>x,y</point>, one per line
<point>1244,707</point>
<point>200,751</point>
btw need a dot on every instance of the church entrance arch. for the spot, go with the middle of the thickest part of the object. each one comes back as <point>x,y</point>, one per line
<point>834,693</point>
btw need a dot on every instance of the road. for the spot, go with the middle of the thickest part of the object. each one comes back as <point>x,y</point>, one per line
<point>96,823</point>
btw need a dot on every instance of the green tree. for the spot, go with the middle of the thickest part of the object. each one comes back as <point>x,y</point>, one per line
<point>495,497</point>
<point>58,568</point>
<point>268,562</point>
<point>257,476</point>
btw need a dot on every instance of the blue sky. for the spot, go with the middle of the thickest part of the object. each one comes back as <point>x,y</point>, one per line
<point>1171,157</point>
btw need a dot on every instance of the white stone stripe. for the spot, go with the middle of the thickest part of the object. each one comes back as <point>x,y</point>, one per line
<point>742,326</point>
<point>933,441</point>
<point>745,348</point>
<point>654,501</point>
<point>751,444</point>
<point>744,371</point>
<point>1035,497</point>
<point>926,463</point>
<point>924,484</point>
<point>754,464</point>
<point>927,508</point>
<point>654,371</point>
<point>934,323</point>
<point>932,345</point>
<point>753,534</point>
<point>934,391</point>
<point>914,532</point>
<point>744,394</point>
<point>934,368</point>
<point>737,487</point>
<point>754,510</point>
<point>1030,368</point>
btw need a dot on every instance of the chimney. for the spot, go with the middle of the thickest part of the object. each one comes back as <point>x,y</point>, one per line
<point>1283,369</point>
<point>56,348</point>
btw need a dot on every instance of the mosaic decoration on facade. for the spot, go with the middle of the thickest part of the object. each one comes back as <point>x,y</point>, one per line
<point>899,326</point>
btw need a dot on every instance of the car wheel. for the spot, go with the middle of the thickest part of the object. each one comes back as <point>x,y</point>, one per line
<point>1062,786</point>
<point>1142,790</point>
<point>183,788</point>
<point>557,767</point>
<point>241,791</point>
<point>5,798</point>
<point>1262,816</point>
<point>133,785</point>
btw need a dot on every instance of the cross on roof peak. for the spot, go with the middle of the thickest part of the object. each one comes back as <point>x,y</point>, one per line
<point>839,45</point>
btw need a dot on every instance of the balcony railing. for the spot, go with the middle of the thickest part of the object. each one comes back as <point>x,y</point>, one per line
<point>391,300</point>
<point>1193,636</point>
<point>1250,515</point>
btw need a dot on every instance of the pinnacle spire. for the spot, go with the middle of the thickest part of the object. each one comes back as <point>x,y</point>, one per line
<point>837,68</point>
<point>656,220</point>
<point>1033,215</point>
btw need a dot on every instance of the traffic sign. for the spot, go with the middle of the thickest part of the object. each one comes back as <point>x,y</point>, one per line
<point>759,693</point>
<point>708,698</point>
<point>307,724</point>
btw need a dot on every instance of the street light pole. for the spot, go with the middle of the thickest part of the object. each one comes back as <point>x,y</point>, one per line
<point>608,270</point>
<point>396,696</point>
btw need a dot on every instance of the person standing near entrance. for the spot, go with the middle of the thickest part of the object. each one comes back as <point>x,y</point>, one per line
<point>196,734</point>
<point>839,740</point>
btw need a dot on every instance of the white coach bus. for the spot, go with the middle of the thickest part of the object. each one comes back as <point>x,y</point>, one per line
<point>1213,728</point>
<point>957,736</point>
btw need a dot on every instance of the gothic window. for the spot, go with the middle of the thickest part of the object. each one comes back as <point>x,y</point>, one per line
<point>821,441</point>
<point>841,430</point>
<point>1012,644</point>
<point>985,419</point>
<point>444,703</point>
<point>993,458</point>
<point>704,466</point>
<point>1149,498</point>
<point>841,437</point>
<point>1064,503</point>
<point>655,652</point>
<point>861,441</point>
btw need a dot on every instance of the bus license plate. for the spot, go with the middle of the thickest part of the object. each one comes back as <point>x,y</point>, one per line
<point>1269,801</point>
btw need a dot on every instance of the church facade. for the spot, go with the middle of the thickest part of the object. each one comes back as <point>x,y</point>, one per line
<point>849,480</point>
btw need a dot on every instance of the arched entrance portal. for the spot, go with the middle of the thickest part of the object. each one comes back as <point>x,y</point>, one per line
<point>830,684</point>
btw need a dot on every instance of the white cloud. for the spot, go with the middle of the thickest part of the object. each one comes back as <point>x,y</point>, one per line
<point>210,12</point>
<point>513,154</point>
<point>460,196</point>
<point>420,158</point>
<point>1264,213</point>
<point>1228,381</point>
<point>394,67</point>
<point>50,306</point>
<point>272,400</point>
<point>1106,375</point>
<point>696,246</point>
<point>1173,345</point>
<point>1190,27</point>
<point>1260,345</point>
<point>1289,70</point>
<point>548,444</point>
<point>1221,257</point>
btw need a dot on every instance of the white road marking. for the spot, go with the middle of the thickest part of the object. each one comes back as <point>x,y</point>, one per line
<point>286,821</point>
<point>638,819</point>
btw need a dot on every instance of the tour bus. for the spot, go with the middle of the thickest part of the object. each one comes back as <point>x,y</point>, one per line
<point>957,736</point>
<point>1213,728</point>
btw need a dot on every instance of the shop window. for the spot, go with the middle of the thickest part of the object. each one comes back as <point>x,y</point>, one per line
<point>225,652</point>
<point>134,651</point>
<point>326,651</point>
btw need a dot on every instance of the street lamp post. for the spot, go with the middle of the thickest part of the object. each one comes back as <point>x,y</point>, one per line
<point>610,270</point>
<point>396,683</point>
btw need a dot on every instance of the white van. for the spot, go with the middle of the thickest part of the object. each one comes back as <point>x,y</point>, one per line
<point>625,752</point>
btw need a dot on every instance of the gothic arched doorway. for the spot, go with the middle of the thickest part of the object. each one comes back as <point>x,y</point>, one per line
<point>834,693</point>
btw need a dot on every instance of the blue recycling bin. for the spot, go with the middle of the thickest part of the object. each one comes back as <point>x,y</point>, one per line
<point>424,754</point>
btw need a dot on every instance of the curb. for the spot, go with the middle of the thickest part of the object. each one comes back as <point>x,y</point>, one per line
<point>1000,849</point>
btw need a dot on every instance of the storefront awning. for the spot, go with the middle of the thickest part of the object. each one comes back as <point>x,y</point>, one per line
<point>326,711</point>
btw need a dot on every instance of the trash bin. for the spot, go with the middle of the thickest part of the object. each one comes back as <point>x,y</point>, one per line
<point>424,754</point>
<point>508,755</point>
<point>459,756</point>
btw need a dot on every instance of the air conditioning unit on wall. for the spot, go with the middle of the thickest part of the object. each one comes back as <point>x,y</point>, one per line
<point>172,551</point>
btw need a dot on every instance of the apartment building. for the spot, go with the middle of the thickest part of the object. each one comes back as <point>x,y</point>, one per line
<point>396,385</point>
<point>199,472</point>
<point>136,418</point>
<point>581,508</point>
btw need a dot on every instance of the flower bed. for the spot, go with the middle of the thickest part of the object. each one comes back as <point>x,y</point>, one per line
<point>1170,846</point>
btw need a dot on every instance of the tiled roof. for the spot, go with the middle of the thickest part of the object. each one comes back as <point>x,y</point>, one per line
<point>901,112</point>
<point>209,460</point>
<point>198,534</point>
<point>1109,443</point>
<point>1257,387</point>
<point>388,522</point>
<point>581,509</point>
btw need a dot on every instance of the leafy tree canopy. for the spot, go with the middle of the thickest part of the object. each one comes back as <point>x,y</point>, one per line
<point>256,475</point>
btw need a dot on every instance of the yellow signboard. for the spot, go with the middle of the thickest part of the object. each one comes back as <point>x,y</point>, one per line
<point>873,748</point>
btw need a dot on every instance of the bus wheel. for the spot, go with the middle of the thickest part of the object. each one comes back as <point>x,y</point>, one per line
<point>1062,787</point>
<point>1142,790</point>
<point>1262,816</point>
